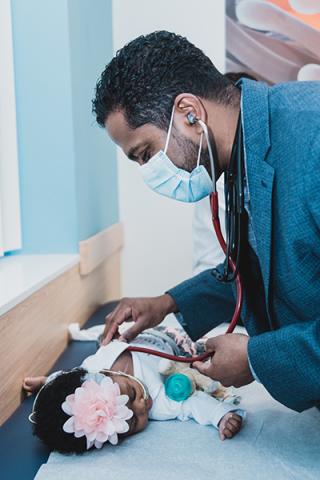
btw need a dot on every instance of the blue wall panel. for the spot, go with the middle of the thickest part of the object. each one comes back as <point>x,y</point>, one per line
<point>91,47</point>
<point>67,164</point>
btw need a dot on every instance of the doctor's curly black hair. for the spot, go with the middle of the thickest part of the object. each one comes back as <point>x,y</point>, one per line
<point>147,74</point>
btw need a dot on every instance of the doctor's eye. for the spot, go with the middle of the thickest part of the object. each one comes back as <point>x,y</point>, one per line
<point>146,156</point>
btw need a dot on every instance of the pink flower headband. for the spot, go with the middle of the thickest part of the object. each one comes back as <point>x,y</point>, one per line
<point>97,411</point>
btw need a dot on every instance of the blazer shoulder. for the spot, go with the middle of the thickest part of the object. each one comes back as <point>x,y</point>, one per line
<point>295,96</point>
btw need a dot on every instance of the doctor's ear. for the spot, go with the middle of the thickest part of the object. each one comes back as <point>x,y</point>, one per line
<point>190,107</point>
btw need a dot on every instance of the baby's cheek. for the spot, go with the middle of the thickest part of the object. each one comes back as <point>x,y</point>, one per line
<point>143,422</point>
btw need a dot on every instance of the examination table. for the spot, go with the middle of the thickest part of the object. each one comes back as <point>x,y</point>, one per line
<point>275,442</point>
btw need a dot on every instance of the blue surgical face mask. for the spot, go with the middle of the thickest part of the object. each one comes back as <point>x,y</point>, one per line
<point>163,177</point>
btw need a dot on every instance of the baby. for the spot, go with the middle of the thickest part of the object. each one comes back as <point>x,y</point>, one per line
<point>115,392</point>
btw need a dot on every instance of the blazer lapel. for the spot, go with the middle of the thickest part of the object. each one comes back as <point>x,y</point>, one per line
<point>260,175</point>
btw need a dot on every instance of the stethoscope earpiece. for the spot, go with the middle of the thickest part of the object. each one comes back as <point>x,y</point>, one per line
<point>192,119</point>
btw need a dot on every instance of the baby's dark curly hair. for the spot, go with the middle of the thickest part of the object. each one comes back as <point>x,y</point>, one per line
<point>50,417</point>
<point>146,75</point>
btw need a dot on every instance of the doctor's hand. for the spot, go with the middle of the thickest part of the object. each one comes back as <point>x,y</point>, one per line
<point>145,312</point>
<point>229,364</point>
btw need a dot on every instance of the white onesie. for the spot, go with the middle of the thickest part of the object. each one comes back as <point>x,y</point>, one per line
<point>200,406</point>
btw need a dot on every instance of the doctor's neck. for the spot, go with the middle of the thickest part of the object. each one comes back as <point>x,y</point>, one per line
<point>222,122</point>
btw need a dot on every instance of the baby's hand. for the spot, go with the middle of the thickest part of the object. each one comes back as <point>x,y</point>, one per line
<point>31,384</point>
<point>229,425</point>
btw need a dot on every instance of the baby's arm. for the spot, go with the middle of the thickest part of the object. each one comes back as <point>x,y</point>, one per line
<point>201,407</point>
<point>32,384</point>
<point>207,410</point>
<point>230,425</point>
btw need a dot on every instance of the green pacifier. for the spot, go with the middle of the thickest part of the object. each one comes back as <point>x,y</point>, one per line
<point>178,387</point>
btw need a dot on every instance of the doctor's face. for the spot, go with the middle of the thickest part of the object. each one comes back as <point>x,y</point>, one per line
<point>141,143</point>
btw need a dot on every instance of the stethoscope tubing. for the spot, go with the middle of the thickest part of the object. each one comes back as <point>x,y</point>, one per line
<point>214,203</point>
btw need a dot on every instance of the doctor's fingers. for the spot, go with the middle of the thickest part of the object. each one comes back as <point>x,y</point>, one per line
<point>123,303</point>
<point>122,306</point>
<point>113,322</point>
<point>206,368</point>
<point>132,332</point>
<point>213,343</point>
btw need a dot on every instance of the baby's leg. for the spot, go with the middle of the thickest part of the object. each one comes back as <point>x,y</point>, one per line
<point>32,384</point>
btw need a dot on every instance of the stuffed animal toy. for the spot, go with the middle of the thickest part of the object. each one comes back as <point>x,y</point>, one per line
<point>182,381</point>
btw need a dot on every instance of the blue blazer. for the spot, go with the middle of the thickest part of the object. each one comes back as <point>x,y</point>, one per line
<point>282,145</point>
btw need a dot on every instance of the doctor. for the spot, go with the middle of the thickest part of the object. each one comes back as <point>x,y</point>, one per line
<point>151,98</point>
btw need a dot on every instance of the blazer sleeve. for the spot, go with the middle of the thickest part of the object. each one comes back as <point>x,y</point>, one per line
<point>287,362</point>
<point>203,303</point>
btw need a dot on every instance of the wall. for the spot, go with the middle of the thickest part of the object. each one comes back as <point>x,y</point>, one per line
<point>158,231</point>
<point>96,168</point>
<point>67,165</point>
<point>10,224</point>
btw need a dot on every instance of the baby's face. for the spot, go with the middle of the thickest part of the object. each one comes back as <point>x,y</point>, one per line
<point>137,403</point>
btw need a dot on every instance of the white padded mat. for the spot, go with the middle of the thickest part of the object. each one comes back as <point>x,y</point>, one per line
<point>274,443</point>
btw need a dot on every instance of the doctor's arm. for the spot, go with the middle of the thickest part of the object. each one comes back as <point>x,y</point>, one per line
<point>202,303</point>
<point>287,361</point>
<point>201,296</point>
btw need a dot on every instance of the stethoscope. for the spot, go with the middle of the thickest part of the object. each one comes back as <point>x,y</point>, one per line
<point>234,196</point>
